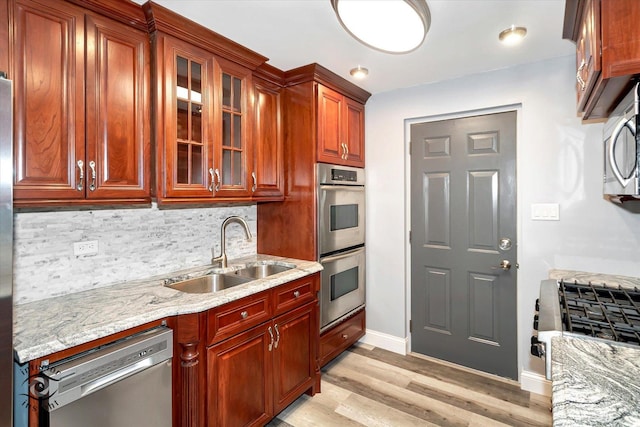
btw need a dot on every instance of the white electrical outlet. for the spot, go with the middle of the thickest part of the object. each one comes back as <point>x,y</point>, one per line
<point>89,247</point>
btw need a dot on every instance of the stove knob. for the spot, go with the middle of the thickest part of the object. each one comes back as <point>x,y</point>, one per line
<point>535,321</point>
<point>537,304</point>
<point>537,348</point>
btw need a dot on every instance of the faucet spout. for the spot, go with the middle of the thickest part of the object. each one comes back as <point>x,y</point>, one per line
<point>222,259</point>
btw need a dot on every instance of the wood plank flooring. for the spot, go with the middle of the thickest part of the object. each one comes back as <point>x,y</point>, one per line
<point>367,386</point>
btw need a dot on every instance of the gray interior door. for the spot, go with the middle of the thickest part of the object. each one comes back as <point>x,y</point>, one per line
<point>463,242</point>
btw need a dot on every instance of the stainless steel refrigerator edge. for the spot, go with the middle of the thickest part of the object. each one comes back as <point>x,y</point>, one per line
<point>6,253</point>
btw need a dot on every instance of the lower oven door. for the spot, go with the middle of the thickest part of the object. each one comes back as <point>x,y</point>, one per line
<point>342,288</point>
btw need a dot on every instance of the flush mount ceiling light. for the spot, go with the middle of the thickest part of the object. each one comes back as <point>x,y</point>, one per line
<point>391,26</point>
<point>359,72</point>
<point>512,35</point>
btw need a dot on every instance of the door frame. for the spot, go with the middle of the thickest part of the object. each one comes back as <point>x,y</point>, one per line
<point>517,107</point>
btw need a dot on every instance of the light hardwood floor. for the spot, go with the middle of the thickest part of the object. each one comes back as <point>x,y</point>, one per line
<point>367,386</point>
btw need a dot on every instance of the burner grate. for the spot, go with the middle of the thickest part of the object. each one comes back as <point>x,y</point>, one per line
<point>601,311</point>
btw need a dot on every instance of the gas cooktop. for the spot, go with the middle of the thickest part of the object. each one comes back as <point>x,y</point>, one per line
<point>601,311</point>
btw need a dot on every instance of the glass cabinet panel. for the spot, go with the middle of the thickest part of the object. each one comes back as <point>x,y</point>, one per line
<point>189,122</point>
<point>233,151</point>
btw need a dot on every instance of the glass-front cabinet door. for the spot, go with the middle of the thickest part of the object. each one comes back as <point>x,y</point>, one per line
<point>188,122</point>
<point>232,131</point>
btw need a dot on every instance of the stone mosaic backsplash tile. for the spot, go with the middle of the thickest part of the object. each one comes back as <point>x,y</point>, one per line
<point>132,244</point>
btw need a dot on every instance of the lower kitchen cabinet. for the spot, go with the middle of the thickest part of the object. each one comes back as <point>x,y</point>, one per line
<point>241,363</point>
<point>255,374</point>
<point>340,337</point>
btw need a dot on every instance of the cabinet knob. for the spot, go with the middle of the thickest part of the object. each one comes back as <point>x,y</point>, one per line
<point>244,314</point>
<point>296,294</point>
<point>345,336</point>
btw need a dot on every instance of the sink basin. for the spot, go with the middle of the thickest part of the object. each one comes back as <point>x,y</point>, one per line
<point>259,271</point>
<point>209,283</point>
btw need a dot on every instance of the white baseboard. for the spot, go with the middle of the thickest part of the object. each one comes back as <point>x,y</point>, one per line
<point>385,341</point>
<point>535,383</point>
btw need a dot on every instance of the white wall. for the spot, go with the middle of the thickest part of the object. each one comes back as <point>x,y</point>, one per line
<point>559,160</point>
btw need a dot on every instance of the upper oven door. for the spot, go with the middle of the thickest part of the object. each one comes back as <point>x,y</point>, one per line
<point>340,217</point>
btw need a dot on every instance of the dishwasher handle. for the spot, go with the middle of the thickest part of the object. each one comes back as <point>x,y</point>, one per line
<point>114,377</point>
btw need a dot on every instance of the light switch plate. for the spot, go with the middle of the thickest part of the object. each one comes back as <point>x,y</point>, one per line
<point>545,212</point>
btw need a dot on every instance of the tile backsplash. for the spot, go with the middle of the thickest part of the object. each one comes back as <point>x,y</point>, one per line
<point>132,244</point>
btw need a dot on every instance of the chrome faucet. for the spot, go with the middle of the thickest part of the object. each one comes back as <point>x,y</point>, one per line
<point>223,253</point>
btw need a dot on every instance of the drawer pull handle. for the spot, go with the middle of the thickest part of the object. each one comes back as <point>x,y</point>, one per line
<point>244,314</point>
<point>277,336</point>
<point>296,294</point>
<point>92,165</point>
<point>271,335</point>
<point>581,82</point>
<point>81,179</point>
<point>345,336</point>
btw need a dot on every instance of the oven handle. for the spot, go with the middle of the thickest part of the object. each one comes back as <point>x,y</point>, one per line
<point>342,187</point>
<point>341,255</point>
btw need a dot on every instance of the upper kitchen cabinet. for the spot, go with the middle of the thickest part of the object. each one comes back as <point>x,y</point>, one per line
<point>268,163</point>
<point>204,112</point>
<point>81,76</point>
<point>607,40</point>
<point>338,109</point>
<point>340,128</point>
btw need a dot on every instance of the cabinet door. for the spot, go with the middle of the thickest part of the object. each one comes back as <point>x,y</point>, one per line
<point>232,131</point>
<point>268,170</point>
<point>239,380</point>
<point>186,154</point>
<point>354,132</point>
<point>294,355</point>
<point>330,138</point>
<point>48,78</point>
<point>118,116</point>
<point>588,59</point>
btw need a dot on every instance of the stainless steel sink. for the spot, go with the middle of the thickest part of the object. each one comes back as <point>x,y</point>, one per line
<point>209,283</point>
<point>259,271</point>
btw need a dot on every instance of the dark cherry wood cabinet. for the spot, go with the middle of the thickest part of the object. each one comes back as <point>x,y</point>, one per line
<point>241,363</point>
<point>217,132</point>
<point>305,123</point>
<point>335,340</point>
<point>81,82</point>
<point>267,174</point>
<point>607,41</point>
<point>340,128</point>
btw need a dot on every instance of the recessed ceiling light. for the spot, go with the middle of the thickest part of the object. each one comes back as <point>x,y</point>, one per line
<point>391,26</point>
<point>359,72</point>
<point>512,35</point>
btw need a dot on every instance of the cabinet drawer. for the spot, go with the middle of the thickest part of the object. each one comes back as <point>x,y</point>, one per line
<point>295,294</point>
<point>339,338</point>
<point>237,316</point>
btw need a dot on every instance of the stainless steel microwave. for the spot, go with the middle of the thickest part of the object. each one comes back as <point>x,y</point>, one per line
<point>621,139</point>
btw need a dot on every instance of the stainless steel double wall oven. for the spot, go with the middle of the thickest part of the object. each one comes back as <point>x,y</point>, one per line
<point>341,241</point>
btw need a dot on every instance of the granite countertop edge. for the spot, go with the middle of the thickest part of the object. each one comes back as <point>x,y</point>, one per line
<point>50,325</point>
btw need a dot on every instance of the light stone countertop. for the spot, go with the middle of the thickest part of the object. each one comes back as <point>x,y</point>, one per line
<point>595,383</point>
<point>47,326</point>
<point>595,278</point>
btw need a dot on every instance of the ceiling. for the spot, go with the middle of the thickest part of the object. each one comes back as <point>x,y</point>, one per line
<point>462,40</point>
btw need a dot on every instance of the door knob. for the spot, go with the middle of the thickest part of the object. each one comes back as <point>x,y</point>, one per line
<point>504,264</point>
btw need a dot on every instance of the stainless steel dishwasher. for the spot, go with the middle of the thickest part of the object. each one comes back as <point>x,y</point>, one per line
<point>125,383</point>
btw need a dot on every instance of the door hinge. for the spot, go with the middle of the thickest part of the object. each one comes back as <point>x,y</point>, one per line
<point>409,236</point>
<point>410,326</point>
<point>409,147</point>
